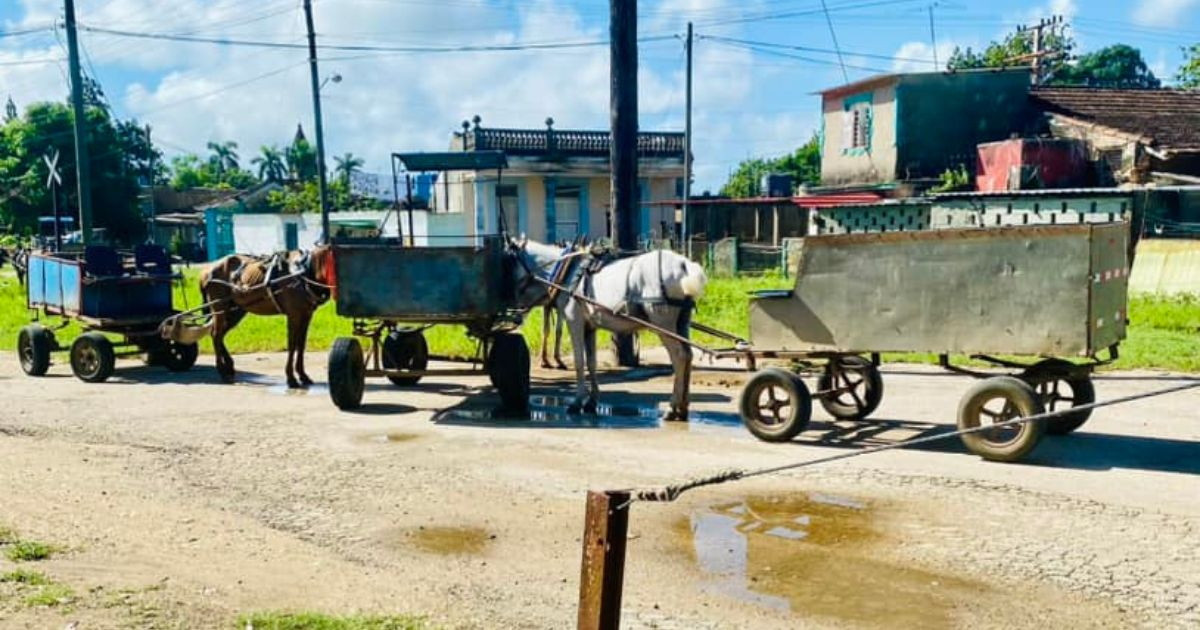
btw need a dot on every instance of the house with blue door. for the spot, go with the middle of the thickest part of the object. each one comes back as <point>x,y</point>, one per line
<point>556,186</point>
<point>897,128</point>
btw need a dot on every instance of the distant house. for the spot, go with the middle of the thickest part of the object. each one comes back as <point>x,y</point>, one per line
<point>1139,134</point>
<point>911,127</point>
<point>556,186</point>
<point>218,216</point>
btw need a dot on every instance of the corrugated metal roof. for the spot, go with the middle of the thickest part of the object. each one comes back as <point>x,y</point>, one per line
<point>1060,192</point>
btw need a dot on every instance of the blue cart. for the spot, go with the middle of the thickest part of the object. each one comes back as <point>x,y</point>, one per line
<point>127,297</point>
<point>393,291</point>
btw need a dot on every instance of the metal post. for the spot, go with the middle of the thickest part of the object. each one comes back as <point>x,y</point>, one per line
<point>150,186</point>
<point>606,526</point>
<point>623,112</point>
<point>316,95</point>
<point>933,38</point>
<point>396,199</point>
<point>57,219</point>
<point>408,181</point>
<point>687,148</point>
<point>82,163</point>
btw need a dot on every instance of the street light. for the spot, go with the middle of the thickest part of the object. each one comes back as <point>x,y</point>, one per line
<point>335,77</point>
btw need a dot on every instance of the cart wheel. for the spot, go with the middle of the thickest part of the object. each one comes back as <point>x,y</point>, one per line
<point>508,369</point>
<point>775,405</point>
<point>175,356</point>
<point>92,358</point>
<point>1059,387</point>
<point>405,350</point>
<point>347,373</point>
<point>860,387</point>
<point>998,399</point>
<point>34,343</point>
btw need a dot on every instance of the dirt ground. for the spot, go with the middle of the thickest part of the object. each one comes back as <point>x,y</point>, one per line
<point>178,502</point>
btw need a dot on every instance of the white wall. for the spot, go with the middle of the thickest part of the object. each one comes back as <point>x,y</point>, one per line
<point>264,234</point>
<point>258,234</point>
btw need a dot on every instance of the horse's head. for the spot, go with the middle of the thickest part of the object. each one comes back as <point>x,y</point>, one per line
<point>316,267</point>
<point>531,264</point>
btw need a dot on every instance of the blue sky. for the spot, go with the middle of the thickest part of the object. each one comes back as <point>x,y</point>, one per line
<point>748,102</point>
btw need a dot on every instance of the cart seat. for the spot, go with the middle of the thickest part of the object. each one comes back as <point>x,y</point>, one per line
<point>101,261</point>
<point>152,260</point>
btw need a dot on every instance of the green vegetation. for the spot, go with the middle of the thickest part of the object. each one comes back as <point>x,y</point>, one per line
<point>954,179</point>
<point>319,621</point>
<point>1188,76</point>
<point>26,577</point>
<point>8,535</point>
<point>804,166</point>
<point>50,595</point>
<point>1115,66</point>
<point>29,551</point>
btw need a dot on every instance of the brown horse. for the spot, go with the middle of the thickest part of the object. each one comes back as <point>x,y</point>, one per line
<point>293,283</point>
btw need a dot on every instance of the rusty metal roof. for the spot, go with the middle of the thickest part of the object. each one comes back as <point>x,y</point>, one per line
<point>1168,119</point>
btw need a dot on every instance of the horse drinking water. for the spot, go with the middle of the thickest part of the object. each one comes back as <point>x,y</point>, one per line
<point>660,287</point>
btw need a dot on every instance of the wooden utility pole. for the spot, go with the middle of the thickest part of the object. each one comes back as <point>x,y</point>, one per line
<point>82,162</point>
<point>623,111</point>
<point>1041,31</point>
<point>687,149</point>
<point>602,576</point>
<point>316,96</point>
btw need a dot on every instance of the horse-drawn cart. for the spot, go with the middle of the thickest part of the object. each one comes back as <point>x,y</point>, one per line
<point>105,292</point>
<point>394,291</point>
<point>1044,291</point>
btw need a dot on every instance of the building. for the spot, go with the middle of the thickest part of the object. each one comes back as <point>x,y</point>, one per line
<point>218,216</point>
<point>556,186</point>
<point>264,233</point>
<point>912,127</point>
<point>1137,135</point>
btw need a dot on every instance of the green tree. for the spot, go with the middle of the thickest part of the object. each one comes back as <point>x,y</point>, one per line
<point>346,166</point>
<point>1013,52</point>
<point>270,163</point>
<point>224,157</point>
<point>119,153</point>
<point>1116,66</point>
<point>1188,76</point>
<point>301,161</point>
<point>804,165</point>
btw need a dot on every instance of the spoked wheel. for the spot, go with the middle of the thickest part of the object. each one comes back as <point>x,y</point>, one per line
<point>775,405</point>
<point>34,344</point>
<point>508,368</point>
<point>175,356</point>
<point>1059,386</point>
<point>92,358</point>
<point>347,373</point>
<point>993,401</point>
<point>405,350</point>
<point>854,385</point>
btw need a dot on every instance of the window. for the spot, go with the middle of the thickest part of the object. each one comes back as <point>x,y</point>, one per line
<point>509,198</point>
<point>856,130</point>
<point>566,212</point>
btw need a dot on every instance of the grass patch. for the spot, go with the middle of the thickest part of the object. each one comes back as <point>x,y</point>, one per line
<point>319,621</point>
<point>26,577</point>
<point>29,551</point>
<point>8,535</point>
<point>50,596</point>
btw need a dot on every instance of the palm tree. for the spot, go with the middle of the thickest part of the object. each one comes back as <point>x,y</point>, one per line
<point>347,166</point>
<point>224,156</point>
<point>270,164</point>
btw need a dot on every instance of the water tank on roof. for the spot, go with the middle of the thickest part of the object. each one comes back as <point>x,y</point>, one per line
<point>776,185</point>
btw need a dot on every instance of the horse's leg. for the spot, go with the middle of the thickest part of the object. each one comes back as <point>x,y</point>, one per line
<point>547,311</point>
<point>305,322</point>
<point>289,370</point>
<point>681,365</point>
<point>589,406</point>
<point>558,331</point>
<point>222,323</point>
<point>576,327</point>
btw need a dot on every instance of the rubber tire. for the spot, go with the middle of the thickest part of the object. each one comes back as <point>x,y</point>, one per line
<point>871,378</point>
<point>1015,391</point>
<point>406,350</point>
<point>34,344</point>
<point>508,368</point>
<point>178,357</point>
<point>347,373</point>
<point>1082,390</point>
<point>106,358</point>
<point>798,397</point>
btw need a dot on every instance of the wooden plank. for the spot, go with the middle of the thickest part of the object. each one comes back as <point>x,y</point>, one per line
<point>606,525</point>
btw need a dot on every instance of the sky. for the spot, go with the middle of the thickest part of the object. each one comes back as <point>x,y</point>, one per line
<point>750,100</point>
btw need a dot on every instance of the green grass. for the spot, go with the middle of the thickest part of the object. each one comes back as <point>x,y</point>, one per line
<point>8,535</point>
<point>1163,335</point>
<point>319,621</point>
<point>26,577</point>
<point>29,551</point>
<point>50,595</point>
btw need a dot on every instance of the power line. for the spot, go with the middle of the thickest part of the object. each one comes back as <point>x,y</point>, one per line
<point>781,15</point>
<point>27,31</point>
<point>780,53</point>
<point>829,51</point>
<point>836,46</point>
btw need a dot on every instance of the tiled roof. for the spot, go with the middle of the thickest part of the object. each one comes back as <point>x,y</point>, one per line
<point>568,143</point>
<point>1169,119</point>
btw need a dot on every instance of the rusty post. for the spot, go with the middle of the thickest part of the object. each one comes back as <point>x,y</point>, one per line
<point>602,577</point>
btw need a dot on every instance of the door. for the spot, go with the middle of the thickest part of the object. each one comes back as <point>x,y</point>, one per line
<point>509,198</point>
<point>291,236</point>
<point>566,212</point>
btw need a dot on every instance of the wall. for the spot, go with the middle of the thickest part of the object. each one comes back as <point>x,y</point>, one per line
<point>1168,266</point>
<point>942,117</point>
<point>875,165</point>
<point>264,234</point>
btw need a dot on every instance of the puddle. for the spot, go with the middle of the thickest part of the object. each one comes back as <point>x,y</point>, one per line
<point>814,555</point>
<point>449,541</point>
<point>394,437</point>
<point>551,411</point>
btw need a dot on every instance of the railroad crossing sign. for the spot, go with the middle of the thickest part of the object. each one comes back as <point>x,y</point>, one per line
<point>55,177</point>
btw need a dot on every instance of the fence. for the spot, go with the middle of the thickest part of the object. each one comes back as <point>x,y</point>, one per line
<point>732,256</point>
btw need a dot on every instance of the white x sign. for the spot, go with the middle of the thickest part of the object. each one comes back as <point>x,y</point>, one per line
<point>52,164</point>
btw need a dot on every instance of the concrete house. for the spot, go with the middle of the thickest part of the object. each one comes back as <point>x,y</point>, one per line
<point>556,186</point>
<point>911,127</point>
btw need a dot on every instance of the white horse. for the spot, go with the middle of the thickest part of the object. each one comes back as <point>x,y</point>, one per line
<point>660,287</point>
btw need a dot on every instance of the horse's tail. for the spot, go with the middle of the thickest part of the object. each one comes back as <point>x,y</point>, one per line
<point>694,280</point>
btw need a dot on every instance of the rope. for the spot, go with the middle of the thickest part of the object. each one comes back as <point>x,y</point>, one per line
<point>671,492</point>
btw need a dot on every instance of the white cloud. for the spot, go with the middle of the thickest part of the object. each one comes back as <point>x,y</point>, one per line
<point>919,57</point>
<point>1162,12</point>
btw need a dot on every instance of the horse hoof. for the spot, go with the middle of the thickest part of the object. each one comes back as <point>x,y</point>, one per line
<point>574,409</point>
<point>546,365</point>
<point>305,381</point>
<point>675,416</point>
<point>227,379</point>
<point>294,384</point>
<point>561,366</point>
<point>590,406</point>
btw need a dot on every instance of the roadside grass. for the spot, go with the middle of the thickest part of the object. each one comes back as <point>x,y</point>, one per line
<point>29,551</point>
<point>320,621</point>
<point>50,596</point>
<point>8,535</point>
<point>1164,333</point>
<point>25,576</point>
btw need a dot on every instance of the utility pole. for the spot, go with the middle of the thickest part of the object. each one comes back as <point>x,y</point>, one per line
<point>933,38</point>
<point>149,209</point>
<point>623,112</point>
<point>1042,31</point>
<point>82,163</point>
<point>316,96</point>
<point>687,149</point>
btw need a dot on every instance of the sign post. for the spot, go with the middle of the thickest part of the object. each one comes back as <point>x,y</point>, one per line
<point>53,181</point>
